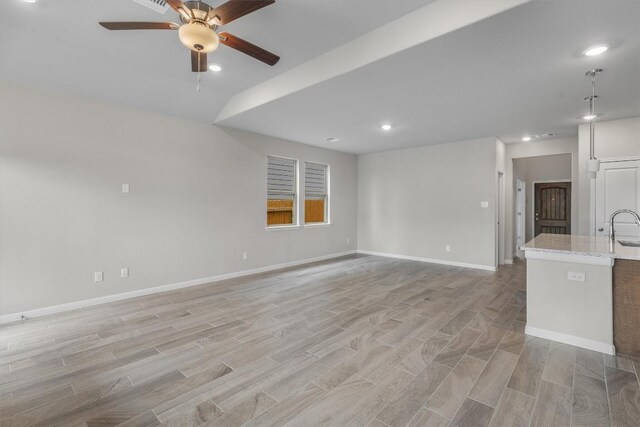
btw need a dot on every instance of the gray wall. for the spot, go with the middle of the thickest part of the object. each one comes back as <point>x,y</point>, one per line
<point>196,203</point>
<point>542,168</point>
<point>414,202</point>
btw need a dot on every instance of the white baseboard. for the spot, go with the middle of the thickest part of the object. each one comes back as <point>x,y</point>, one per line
<point>38,312</point>
<point>572,340</point>
<point>431,260</point>
<point>508,261</point>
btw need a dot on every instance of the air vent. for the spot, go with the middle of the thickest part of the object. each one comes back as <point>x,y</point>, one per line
<point>544,135</point>
<point>159,6</point>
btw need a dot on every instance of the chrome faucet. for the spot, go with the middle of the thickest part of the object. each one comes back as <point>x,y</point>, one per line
<point>612,233</point>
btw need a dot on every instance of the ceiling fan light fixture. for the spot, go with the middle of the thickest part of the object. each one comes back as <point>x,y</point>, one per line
<point>198,37</point>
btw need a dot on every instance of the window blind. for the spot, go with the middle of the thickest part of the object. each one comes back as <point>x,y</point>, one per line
<point>315,180</point>
<point>281,178</point>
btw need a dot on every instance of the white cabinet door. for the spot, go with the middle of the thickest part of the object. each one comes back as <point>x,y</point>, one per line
<point>618,187</point>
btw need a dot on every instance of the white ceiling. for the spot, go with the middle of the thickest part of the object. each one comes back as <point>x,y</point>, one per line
<point>58,44</point>
<point>517,72</point>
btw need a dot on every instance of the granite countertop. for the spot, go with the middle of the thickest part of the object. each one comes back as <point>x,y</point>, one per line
<point>581,245</point>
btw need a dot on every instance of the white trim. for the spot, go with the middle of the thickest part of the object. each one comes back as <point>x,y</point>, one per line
<point>520,196</point>
<point>327,209</point>
<point>575,258</point>
<point>500,218</point>
<point>296,196</point>
<point>283,227</point>
<point>570,339</point>
<point>316,224</point>
<point>7,318</point>
<point>619,159</point>
<point>431,260</point>
<point>508,261</point>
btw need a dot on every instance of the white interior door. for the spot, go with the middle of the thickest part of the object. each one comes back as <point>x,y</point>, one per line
<point>617,187</point>
<point>520,216</point>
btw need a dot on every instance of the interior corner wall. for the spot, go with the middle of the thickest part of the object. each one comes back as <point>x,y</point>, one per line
<point>415,202</point>
<point>614,139</point>
<point>197,200</point>
<point>534,149</point>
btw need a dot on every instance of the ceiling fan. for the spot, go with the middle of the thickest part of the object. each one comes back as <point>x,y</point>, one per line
<point>198,29</point>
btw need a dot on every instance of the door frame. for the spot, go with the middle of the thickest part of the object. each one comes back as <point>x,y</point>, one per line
<point>533,200</point>
<point>520,221</point>
<point>592,190</point>
<point>499,219</point>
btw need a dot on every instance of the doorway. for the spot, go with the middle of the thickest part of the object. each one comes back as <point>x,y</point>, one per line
<point>499,255</point>
<point>617,186</point>
<point>521,226</point>
<point>552,201</point>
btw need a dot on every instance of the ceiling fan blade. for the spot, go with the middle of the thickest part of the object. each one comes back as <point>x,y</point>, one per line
<point>234,9</point>
<point>140,25</point>
<point>179,7</point>
<point>198,61</point>
<point>250,49</point>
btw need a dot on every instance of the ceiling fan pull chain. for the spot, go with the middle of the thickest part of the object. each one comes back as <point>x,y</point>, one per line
<point>198,83</point>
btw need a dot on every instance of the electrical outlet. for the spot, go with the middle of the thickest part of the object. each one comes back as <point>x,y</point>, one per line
<point>484,204</point>
<point>576,277</point>
<point>98,276</point>
<point>124,272</point>
<point>447,248</point>
<point>245,255</point>
<point>125,188</point>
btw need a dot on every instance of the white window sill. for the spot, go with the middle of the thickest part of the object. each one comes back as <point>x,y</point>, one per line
<point>283,227</point>
<point>316,225</point>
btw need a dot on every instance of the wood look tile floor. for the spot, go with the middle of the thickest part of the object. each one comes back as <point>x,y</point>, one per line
<point>359,340</point>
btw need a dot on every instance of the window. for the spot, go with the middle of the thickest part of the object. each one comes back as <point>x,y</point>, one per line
<point>281,191</point>
<point>316,193</point>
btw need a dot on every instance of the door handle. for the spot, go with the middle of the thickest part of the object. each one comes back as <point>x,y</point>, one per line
<point>600,229</point>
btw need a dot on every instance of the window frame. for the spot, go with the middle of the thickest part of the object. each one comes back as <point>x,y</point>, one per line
<point>327,195</point>
<point>296,196</point>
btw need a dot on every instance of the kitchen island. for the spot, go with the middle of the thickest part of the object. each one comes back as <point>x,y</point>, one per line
<point>584,291</point>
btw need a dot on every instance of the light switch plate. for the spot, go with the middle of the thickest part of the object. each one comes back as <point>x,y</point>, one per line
<point>576,277</point>
<point>484,204</point>
<point>98,276</point>
<point>125,188</point>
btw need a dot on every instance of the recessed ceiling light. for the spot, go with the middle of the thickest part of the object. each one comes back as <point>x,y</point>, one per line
<point>526,138</point>
<point>386,127</point>
<point>332,139</point>
<point>29,1</point>
<point>596,50</point>
<point>589,117</point>
<point>215,67</point>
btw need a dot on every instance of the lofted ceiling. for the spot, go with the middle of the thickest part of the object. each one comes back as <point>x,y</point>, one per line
<point>520,72</point>
<point>510,69</point>
<point>58,44</point>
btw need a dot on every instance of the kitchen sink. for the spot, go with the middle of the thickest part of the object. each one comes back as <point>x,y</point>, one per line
<point>634,244</point>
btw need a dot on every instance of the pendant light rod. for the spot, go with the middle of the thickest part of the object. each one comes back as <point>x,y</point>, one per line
<point>592,110</point>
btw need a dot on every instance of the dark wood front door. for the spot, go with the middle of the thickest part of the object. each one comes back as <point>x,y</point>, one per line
<point>553,208</point>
